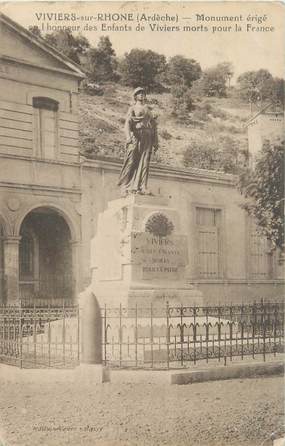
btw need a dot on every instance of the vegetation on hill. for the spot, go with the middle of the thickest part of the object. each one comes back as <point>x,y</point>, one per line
<point>200,114</point>
<point>210,136</point>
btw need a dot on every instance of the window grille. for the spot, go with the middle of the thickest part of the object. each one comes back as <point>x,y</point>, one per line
<point>208,223</point>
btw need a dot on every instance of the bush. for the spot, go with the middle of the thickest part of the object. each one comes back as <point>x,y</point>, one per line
<point>165,135</point>
<point>92,89</point>
<point>221,154</point>
<point>182,102</point>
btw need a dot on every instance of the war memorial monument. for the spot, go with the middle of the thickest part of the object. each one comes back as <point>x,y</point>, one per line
<point>140,253</point>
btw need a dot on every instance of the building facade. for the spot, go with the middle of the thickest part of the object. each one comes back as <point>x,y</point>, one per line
<point>50,196</point>
<point>266,124</point>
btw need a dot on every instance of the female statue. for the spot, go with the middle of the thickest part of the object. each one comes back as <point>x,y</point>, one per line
<point>141,134</point>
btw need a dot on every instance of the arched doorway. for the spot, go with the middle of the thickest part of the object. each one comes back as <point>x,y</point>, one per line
<point>45,256</point>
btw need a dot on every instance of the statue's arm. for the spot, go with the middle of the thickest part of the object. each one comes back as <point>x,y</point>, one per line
<point>128,125</point>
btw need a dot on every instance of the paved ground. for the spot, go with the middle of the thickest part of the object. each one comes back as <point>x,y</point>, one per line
<point>235,412</point>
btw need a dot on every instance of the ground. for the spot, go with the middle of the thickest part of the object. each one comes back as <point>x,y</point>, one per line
<point>234,412</point>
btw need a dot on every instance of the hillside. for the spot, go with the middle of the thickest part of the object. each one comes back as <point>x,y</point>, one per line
<point>213,122</point>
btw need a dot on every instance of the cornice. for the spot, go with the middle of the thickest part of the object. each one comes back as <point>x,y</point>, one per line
<point>40,188</point>
<point>191,174</point>
<point>37,66</point>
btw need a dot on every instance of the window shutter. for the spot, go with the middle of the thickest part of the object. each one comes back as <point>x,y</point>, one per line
<point>208,221</point>
<point>208,259</point>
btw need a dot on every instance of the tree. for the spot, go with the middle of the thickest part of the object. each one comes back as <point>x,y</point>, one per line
<point>264,188</point>
<point>182,70</point>
<point>72,46</point>
<point>35,30</point>
<point>181,101</point>
<point>221,154</point>
<point>101,61</point>
<point>142,68</point>
<point>226,70</point>
<point>277,91</point>
<point>260,85</point>
<point>214,80</point>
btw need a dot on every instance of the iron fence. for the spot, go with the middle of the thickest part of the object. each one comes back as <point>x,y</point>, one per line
<point>45,335</point>
<point>35,337</point>
<point>176,336</point>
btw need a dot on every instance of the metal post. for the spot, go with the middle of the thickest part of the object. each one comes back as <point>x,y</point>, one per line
<point>151,334</point>
<point>207,336</point>
<point>35,333</point>
<point>105,335</point>
<point>49,336</point>
<point>78,333</point>
<point>120,335</point>
<point>167,334</point>
<point>181,334</point>
<point>63,333</point>
<point>21,338</point>
<point>194,334</point>
<point>136,335</point>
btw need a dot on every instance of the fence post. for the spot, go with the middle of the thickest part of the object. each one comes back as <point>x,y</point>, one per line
<point>91,329</point>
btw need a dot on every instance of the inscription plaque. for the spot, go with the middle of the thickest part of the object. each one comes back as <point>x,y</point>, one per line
<point>159,257</point>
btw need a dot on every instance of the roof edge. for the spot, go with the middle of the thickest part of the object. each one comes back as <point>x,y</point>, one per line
<point>259,113</point>
<point>38,41</point>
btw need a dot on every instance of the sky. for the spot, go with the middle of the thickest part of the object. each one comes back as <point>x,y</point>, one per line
<point>237,38</point>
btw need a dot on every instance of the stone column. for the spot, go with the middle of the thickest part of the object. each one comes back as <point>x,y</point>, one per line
<point>11,269</point>
<point>75,247</point>
<point>91,328</point>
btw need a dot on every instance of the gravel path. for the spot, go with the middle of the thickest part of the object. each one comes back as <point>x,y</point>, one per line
<point>235,412</point>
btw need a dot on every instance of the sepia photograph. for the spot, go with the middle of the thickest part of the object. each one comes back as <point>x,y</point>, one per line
<point>142,223</point>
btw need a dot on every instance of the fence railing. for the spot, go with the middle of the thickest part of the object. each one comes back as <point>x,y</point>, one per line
<point>154,337</point>
<point>33,337</point>
<point>176,336</point>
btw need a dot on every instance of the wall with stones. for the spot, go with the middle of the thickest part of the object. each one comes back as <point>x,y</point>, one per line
<point>187,190</point>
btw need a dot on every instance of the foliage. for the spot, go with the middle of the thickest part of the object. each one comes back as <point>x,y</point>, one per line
<point>213,81</point>
<point>278,90</point>
<point>142,68</point>
<point>221,154</point>
<point>225,70</point>
<point>260,85</point>
<point>159,225</point>
<point>264,188</point>
<point>181,101</point>
<point>181,70</point>
<point>101,62</point>
<point>68,44</point>
<point>165,134</point>
<point>35,30</point>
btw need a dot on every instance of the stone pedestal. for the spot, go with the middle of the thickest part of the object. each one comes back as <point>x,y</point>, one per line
<point>139,255</point>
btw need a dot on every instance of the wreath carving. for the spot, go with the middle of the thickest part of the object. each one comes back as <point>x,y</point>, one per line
<point>159,225</point>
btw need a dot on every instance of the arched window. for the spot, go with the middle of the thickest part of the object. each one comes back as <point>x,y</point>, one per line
<point>26,255</point>
<point>46,126</point>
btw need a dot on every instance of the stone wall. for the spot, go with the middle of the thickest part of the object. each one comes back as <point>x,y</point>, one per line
<point>187,191</point>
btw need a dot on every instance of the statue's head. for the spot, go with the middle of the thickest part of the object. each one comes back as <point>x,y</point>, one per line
<point>137,91</point>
